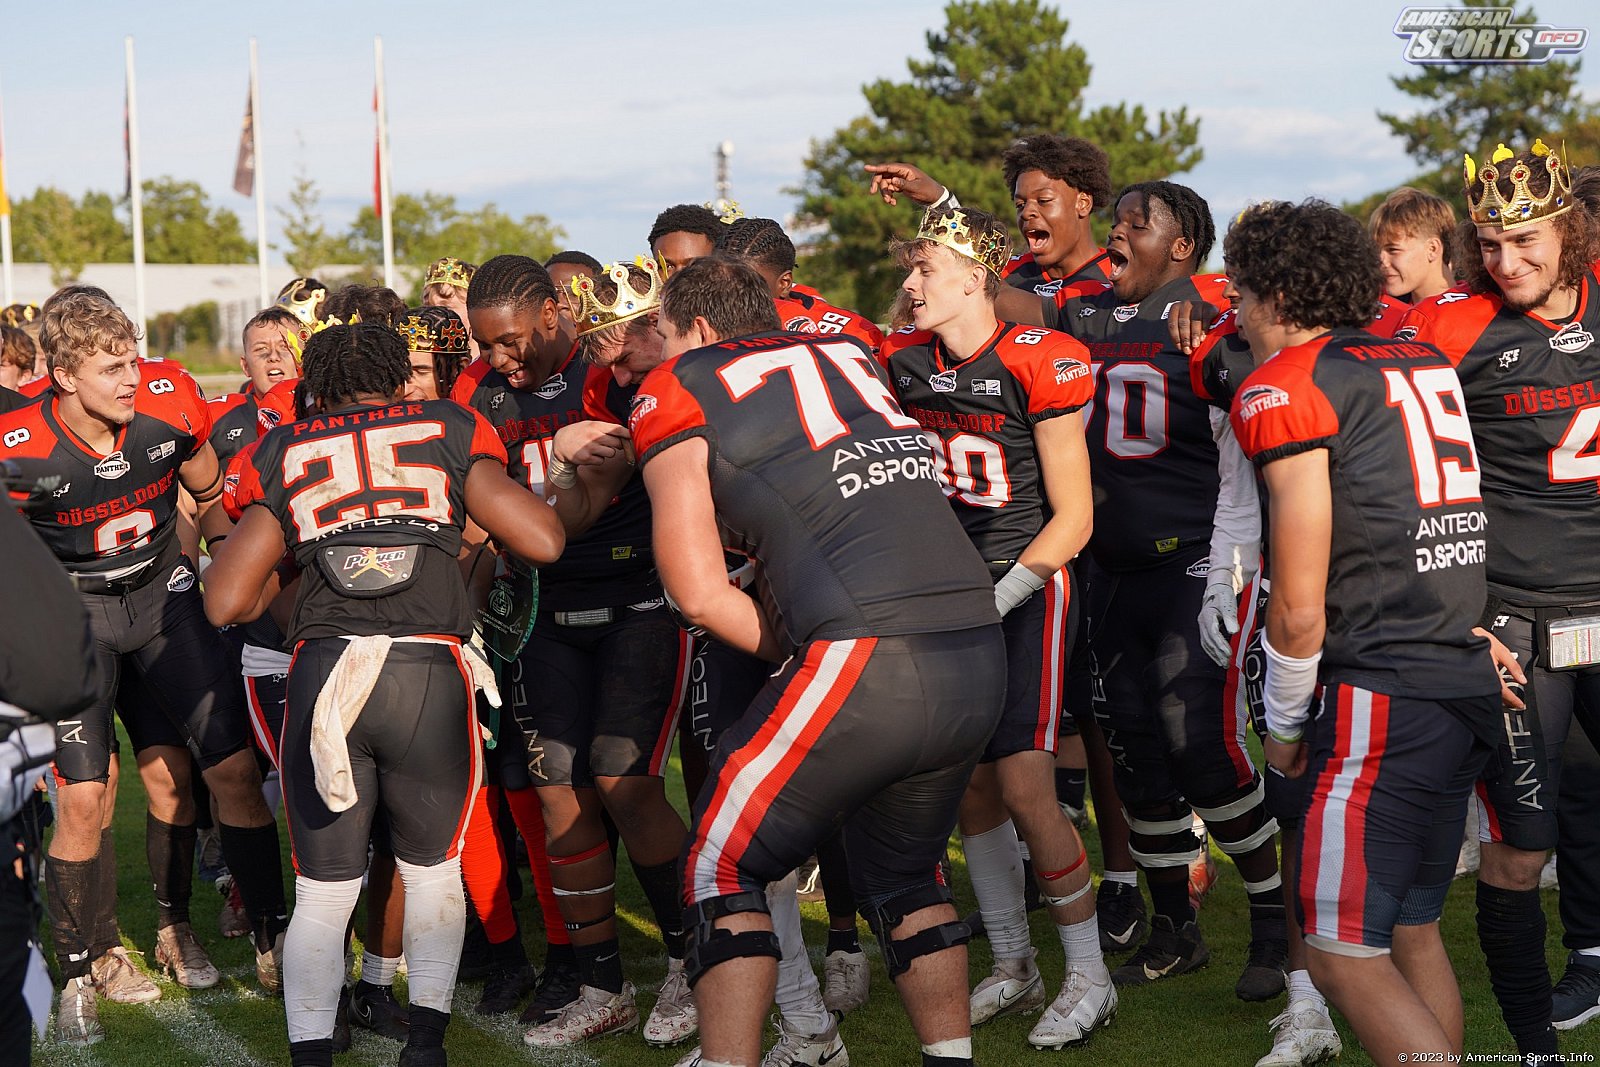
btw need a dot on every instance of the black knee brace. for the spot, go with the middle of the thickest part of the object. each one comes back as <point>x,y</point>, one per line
<point>709,946</point>
<point>884,918</point>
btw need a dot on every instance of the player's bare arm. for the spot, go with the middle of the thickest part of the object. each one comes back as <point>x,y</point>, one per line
<point>1064,462</point>
<point>519,522</point>
<point>890,179</point>
<point>240,582</point>
<point>1302,533</point>
<point>602,455</point>
<point>689,552</point>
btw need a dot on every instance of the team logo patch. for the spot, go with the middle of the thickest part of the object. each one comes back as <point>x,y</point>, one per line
<point>161,451</point>
<point>1166,544</point>
<point>1258,398</point>
<point>1508,357</point>
<point>643,404</point>
<point>181,581</point>
<point>985,387</point>
<point>800,324</point>
<point>1200,568</point>
<point>370,570</point>
<point>112,467</point>
<point>622,552</point>
<point>1571,339</point>
<point>1125,312</point>
<point>1406,333</point>
<point>1166,311</point>
<point>63,490</point>
<point>1046,288</point>
<point>230,483</point>
<point>647,605</point>
<point>1450,297</point>
<point>1069,370</point>
<point>943,382</point>
<point>553,387</point>
<point>1084,313</point>
<point>235,433</point>
<point>268,417</point>
<point>904,381</point>
<point>495,403</point>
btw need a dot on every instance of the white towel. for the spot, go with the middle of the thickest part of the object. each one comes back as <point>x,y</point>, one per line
<point>339,704</point>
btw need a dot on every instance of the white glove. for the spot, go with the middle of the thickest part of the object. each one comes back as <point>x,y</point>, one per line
<point>1219,619</point>
<point>482,673</point>
<point>1014,589</point>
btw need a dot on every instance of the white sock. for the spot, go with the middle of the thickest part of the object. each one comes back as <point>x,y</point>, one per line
<point>313,955</point>
<point>798,996</point>
<point>1081,942</point>
<point>378,970</point>
<point>436,924</point>
<point>1121,877</point>
<point>957,1048</point>
<point>994,864</point>
<point>1302,988</point>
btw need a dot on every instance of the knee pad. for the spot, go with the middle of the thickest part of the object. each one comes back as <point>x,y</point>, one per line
<point>1164,840</point>
<point>709,946</point>
<point>885,917</point>
<point>1251,807</point>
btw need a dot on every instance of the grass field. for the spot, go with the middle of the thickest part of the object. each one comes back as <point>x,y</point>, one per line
<point>1190,1020</point>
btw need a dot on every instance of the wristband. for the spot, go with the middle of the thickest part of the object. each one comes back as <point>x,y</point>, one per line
<point>1014,589</point>
<point>947,201</point>
<point>561,473</point>
<point>1287,690</point>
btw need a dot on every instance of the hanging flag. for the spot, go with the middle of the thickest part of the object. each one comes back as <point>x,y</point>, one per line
<point>244,170</point>
<point>377,158</point>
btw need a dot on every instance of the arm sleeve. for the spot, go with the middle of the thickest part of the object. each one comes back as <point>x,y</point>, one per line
<point>47,661</point>
<point>1236,524</point>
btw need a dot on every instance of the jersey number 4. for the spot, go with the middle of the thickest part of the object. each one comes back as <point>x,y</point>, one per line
<point>365,464</point>
<point>1435,413</point>
<point>818,415</point>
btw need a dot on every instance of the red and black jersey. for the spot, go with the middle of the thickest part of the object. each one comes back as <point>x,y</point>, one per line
<point>355,488</point>
<point>818,474</point>
<point>277,407</point>
<point>1151,449</point>
<point>1533,393</point>
<point>11,400</point>
<point>234,424</point>
<point>118,510</point>
<point>1406,569</point>
<point>610,564</point>
<point>1023,273</point>
<point>35,388</point>
<point>805,311</point>
<point>981,413</point>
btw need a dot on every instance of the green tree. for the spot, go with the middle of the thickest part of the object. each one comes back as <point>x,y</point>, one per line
<point>307,243</point>
<point>181,226</point>
<point>50,227</point>
<point>432,225</point>
<point>999,70</point>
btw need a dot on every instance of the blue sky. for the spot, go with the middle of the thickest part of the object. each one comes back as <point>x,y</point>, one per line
<point>599,115</point>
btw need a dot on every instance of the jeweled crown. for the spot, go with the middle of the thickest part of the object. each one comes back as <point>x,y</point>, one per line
<point>594,314</point>
<point>302,300</point>
<point>949,227</point>
<point>433,329</point>
<point>1488,207</point>
<point>449,271</point>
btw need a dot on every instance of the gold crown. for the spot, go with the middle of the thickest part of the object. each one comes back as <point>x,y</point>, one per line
<point>1488,208</point>
<point>433,329</point>
<point>19,314</point>
<point>950,228</point>
<point>449,271</point>
<point>727,212</point>
<point>629,303</point>
<point>302,300</point>
<point>298,338</point>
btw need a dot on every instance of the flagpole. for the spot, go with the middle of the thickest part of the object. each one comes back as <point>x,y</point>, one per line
<point>260,174</point>
<point>136,200</point>
<point>5,216</point>
<point>383,169</point>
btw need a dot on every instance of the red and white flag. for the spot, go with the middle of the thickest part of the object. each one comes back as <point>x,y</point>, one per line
<point>244,169</point>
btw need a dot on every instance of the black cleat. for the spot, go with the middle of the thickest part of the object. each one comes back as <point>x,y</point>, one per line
<point>1576,998</point>
<point>556,988</point>
<point>1165,954</point>
<point>411,1056</point>
<point>504,989</point>
<point>341,1022</point>
<point>373,1007</point>
<point>1263,976</point>
<point>1120,911</point>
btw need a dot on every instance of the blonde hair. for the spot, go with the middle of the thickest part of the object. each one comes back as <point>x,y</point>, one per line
<point>1415,213</point>
<point>443,292</point>
<point>80,321</point>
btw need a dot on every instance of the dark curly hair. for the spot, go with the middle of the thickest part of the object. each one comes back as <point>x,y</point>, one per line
<point>1079,163</point>
<point>1317,262</point>
<point>760,241</point>
<point>374,303</point>
<point>1187,208</point>
<point>344,362</point>
<point>1579,228</point>
<point>685,218</point>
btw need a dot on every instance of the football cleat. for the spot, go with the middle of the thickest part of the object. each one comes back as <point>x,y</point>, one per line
<point>1576,998</point>
<point>807,1050</point>
<point>596,1012</point>
<point>1302,1034</point>
<point>1263,976</point>
<point>120,982</point>
<point>674,1019</point>
<point>374,1007</point>
<point>1166,953</point>
<point>1015,987</point>
<point>180,954</point>
<point>1119,908</point>
<point>845,977</point>
<point>78,1014</point>
<point>1082,1007</point>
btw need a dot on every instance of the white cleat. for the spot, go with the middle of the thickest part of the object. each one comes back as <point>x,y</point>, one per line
<point>1302,1034</point>
<point>595,1012</point>
<point>674,1019</point>
<point>795,1049</point>
<point>1082,1007</point>
<point>180,954</point>
<point>845,977</point>
<point>1014,988</point>
<point>693,1059</point>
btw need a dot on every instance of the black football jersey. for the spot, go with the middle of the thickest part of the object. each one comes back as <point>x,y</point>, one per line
<point>1406,568</point>
<point>980,414</point>
<point>818,474</point>
<point>1023,273</point>
<point>116,510</point>
<point>1533,393</point>
<point>610,564</point>
<point>354,490</point>
<point>234,424</point>
<point>11,400</point>
<point>1151,451</point>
